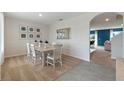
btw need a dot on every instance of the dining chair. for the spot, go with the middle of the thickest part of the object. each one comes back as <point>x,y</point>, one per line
<point>28,50</point>
<point>34,55</point>
<point>55,57</point>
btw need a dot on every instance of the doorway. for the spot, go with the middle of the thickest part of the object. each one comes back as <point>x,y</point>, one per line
<point>103,35</point>
<point>103,28</point>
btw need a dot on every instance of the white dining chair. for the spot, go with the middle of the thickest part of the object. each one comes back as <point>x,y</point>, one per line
<point>28,50</point>
<point>28,53</point>
<point>35,56</point>
<point>55,57</point>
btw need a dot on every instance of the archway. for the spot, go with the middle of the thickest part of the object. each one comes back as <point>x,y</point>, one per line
<point>103,28</point>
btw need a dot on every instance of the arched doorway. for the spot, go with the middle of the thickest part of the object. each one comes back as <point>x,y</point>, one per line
<point>103,28</point>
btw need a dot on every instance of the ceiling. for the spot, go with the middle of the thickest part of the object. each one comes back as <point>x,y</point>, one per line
<point>114,20</point>
<point>46,18</point>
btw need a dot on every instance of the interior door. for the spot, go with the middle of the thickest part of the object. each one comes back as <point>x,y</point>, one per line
<point>102,36</point>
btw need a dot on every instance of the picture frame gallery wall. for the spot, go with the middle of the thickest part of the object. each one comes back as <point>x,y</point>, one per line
<point>30,32</point>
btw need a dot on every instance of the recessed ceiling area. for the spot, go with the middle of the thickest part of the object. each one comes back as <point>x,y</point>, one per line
<point>106,20</point>
<point>43,17</point>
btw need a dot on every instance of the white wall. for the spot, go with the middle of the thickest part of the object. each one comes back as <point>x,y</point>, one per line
<point>1,38</point>
<point>123,37</point>
<point>78,44</point>
<point>123,44</point>
<point>117,46</point>
<point>15,46</point>
<point>96,39</point>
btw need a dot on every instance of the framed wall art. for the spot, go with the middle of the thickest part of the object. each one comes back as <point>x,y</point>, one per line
<point>63,33</point>
<point>30,35</point>
<point>23,35</point>
<point>38,36</point>
<point>23,28</point>
<point>30,29</point>
<point>30,32</point>
<point>38,29</point>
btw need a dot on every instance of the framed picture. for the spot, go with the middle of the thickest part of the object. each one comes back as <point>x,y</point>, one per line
<point>38,36</point>
<point>23,28</point>
<point>30,36</point>
<point>23,35</point>
<point>30,29</point>
<point>38,29</point>
<point>63,33</point>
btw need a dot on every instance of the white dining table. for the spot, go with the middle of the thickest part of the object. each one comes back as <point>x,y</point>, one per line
<point>44,49</point>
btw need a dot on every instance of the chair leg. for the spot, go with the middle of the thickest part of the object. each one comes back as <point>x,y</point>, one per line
<point>54,64</point>
<point>40,60</point>
<point>47,61</point>
<point>61,62</point>
<point>34,61</point>
<point>28,59</point>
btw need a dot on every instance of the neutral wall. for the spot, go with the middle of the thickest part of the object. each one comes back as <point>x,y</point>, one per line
<point>117,46</point>
<point>123,36</point>
<point>15,46</point>
<point>1,38</point>
<point>123,44</point>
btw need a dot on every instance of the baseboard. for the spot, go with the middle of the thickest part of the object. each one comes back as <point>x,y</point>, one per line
<point>76,57</point>
<point>14,55</point>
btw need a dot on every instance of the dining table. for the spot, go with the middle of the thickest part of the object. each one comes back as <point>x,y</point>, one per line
<point>44,49</point>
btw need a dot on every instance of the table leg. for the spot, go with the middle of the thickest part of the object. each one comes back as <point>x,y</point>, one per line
<point>42,59</point>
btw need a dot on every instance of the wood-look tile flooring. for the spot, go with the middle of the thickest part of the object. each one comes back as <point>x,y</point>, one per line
<point>19,69</point>
<point>102,57</point>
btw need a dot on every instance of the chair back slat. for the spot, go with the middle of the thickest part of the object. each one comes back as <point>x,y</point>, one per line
<point>33,53</point>
<point>58,50</point>
<point>28,49</point>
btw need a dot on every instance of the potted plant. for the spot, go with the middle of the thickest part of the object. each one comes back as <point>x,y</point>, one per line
<point>41,41</point>
<point>46,42</point>
<point>35,41</point>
